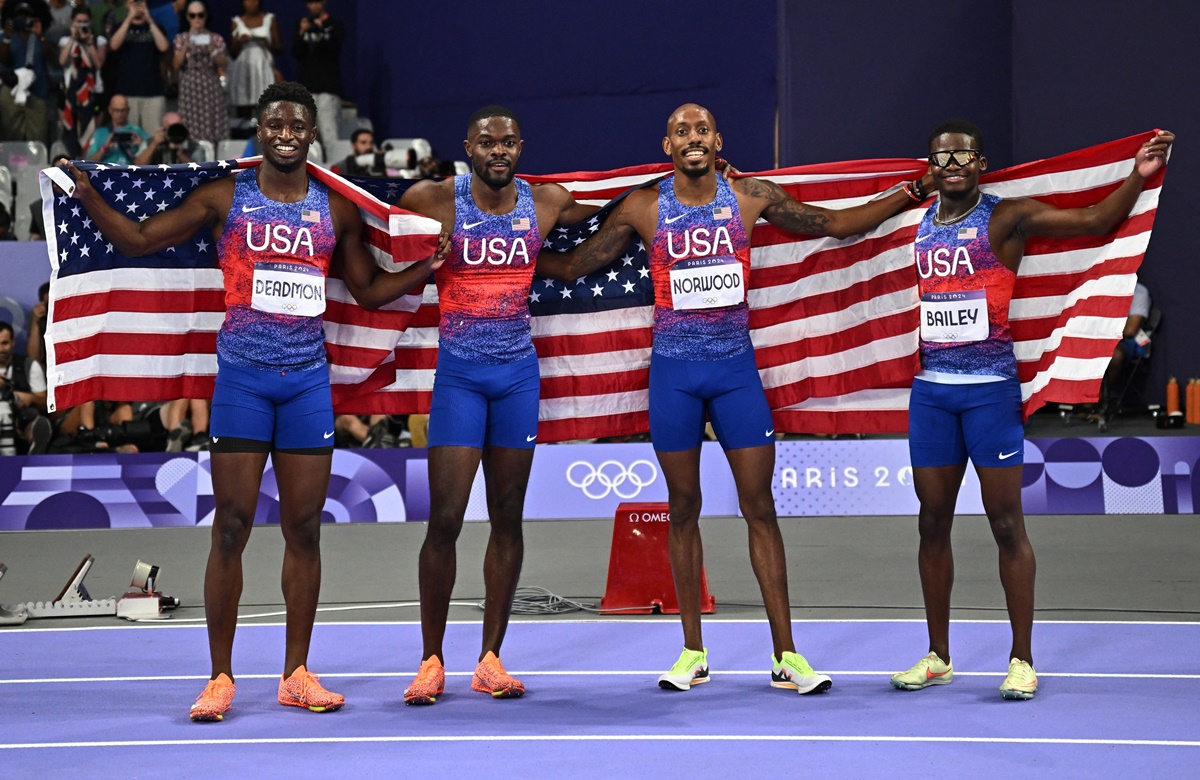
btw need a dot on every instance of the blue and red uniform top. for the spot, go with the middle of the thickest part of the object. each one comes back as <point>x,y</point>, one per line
<point>483,286</point>
<point>965,293</point>
<point>275,257</point>
<point>700,265</point>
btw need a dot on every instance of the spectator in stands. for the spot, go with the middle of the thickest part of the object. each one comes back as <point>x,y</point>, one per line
<point>363,159</point>
<point>255,43</point>
<point>199,56</point>
<point>6,225</point>
<point>81,53</point>
<point>429,167</point>
<point>37,228</point>
<point>107,16</point>
<point>1135,342</point>
<point>171,144</point>
<point>120,141</point>
<point>140,44</point>
<point>317,47</point>
<point>61,15</point>
<point>22,398</point>
<point>35,343</point>
<point>25,109</point>
<point>187,421</point>
<point>376,432</point>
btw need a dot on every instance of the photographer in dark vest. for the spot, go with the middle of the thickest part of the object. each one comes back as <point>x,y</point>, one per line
<point>22,400</point>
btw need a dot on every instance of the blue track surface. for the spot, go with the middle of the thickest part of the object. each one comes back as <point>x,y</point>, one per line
<point>593,709</point>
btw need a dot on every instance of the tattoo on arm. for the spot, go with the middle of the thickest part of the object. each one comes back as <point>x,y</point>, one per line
<point>601,249</point>
<point>782,211</point>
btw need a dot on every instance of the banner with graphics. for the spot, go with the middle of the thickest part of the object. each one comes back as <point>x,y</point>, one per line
<point>815,477</point>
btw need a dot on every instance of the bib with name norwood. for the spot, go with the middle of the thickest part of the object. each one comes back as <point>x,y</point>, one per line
<point>707,283</point>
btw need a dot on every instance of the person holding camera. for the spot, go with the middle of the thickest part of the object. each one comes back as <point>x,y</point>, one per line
<point>170,144</point>
<point>141,44</point>
<point>118,142</point>
<point>317,47</point>
<point>24,109</point>
<point>81,54</point>
<point>199,54</point>
<point>22,400</point>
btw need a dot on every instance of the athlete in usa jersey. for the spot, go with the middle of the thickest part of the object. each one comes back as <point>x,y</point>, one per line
<point>276,231</point>
<point>965,293</point>
<point>486,389</point>
<point>274,258</point>
<point>483,287</point>
<point>698,228</point>
<point>966,402</point>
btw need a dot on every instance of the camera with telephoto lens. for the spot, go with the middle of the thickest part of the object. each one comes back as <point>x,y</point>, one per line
<point>177,134</point>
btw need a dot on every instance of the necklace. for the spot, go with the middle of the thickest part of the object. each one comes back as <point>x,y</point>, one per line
<point>960,217</point>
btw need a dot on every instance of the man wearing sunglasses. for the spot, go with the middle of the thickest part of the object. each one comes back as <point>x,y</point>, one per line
<point>966,400</point>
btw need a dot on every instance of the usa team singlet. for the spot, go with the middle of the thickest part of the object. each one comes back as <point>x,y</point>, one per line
<point>702,363</point>
<point>275,257</point>
<point>965,293</point>
<point>700,265</point>
<point>483,286</point>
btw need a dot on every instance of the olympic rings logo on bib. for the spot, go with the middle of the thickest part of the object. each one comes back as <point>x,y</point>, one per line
<point>611,476</point>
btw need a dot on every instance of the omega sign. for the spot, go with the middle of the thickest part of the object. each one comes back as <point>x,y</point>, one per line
<point>611,476</point>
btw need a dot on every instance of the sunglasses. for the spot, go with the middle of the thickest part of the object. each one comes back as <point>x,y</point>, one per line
<point>961,157</point>
<point>200,15</point>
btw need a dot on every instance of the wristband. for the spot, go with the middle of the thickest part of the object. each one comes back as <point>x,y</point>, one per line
<point>908,190</point>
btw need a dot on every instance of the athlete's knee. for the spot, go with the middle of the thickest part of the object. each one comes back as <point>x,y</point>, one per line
<point>1008,528</point>
<point>302,533</point>
<point>444,528</point>
<point>758,508</point>
<point>231,528</point>
<point>934,525</point>
<point>684,507</point>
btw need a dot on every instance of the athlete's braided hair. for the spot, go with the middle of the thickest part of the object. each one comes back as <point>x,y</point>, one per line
<point>959,127</point>
<point>487,112</point>
<point>287,92</point>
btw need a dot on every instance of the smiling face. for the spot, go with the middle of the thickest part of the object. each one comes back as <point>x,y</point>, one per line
<point>285,131</point>
<point>494,145</point>
<point>955,179</point>
<point>692,140</point>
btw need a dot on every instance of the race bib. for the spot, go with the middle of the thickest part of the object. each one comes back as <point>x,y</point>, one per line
<point>707,283</point>
<point>954,316</point>
<point>288,288</point>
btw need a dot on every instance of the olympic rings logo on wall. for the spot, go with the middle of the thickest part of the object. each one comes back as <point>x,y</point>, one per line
<point>611,476</point>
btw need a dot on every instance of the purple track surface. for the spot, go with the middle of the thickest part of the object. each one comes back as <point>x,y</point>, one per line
<point>593,709</point>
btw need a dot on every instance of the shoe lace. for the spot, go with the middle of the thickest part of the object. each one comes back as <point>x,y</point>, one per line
<point>686,661</point>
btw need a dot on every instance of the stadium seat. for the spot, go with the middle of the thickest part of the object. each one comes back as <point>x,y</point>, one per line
<point>336,151</point>
<point>204,151</point>
<point>23,159</point>
<point>231,148</point>
<point>418,145</point>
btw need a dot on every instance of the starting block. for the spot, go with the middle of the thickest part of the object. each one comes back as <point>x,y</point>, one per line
<point>639,564</point>
<point>75,601</point>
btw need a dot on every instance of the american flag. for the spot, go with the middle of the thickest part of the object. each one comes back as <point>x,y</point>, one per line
<point>834,322</point>
<point>145,328</point>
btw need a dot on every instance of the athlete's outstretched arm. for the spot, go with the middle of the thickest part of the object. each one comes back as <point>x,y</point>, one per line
<point>203,207</point>
<point>781,210</point>
<point>605,246</point>
<point>1028,217</point>
<point>369,285</point>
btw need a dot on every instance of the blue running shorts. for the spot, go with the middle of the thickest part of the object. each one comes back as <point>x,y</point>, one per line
<point>260,410</point>
<point>949,423</point>
<point>729,390</point>
<point>478,404</point>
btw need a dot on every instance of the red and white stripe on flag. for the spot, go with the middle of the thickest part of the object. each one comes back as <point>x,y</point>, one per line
<point>834,322</point>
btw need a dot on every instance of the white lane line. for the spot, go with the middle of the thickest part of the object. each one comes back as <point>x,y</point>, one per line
<point>551,621</point>
<point>906,739</point>
<point>571,673</point>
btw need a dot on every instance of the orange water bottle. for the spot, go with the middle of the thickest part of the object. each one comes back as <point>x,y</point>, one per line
<point>1193,401</point>
<point>1172,396</point>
